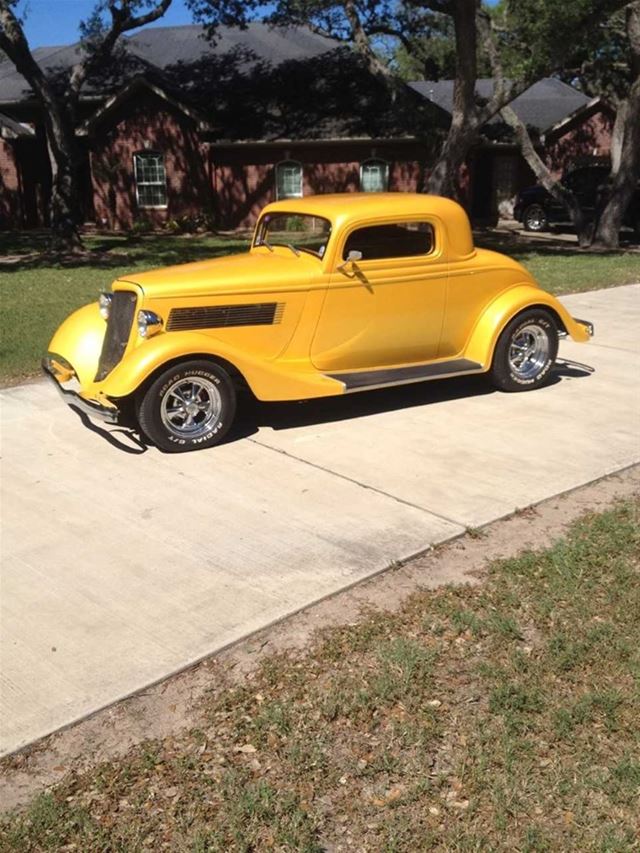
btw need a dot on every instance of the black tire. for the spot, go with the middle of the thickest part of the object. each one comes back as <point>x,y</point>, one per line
<point>535,218</point>
<point>189,406</point>
<point>532,328</point>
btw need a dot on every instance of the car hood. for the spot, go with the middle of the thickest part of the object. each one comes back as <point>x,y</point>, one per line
<point>249,272</point>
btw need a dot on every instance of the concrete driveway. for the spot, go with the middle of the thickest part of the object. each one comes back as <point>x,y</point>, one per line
<point>122,565</point>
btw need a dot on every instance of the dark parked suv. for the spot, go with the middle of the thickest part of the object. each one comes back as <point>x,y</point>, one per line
<point>537,209</point>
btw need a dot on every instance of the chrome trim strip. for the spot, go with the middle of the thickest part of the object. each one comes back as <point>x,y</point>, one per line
<point>353,382</point>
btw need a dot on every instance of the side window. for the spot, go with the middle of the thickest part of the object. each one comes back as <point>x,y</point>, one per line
<point>374,176</point>
<point>151,179</point>
<point>397,240</point>
<point>289,179</point>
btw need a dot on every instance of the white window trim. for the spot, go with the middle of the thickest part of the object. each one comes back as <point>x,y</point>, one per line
<point>289,163</point>
<point>377,160</point>
<point>138,183</point>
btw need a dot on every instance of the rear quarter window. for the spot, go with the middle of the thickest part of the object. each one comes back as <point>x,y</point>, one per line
<point>395,240</point>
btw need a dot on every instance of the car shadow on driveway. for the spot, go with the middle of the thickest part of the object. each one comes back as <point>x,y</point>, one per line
<point>290,415</point>
<point>133,442</point>
<point>253,414</point>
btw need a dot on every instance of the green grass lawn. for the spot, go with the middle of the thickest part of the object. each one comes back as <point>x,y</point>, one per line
<point>499,717</point>
<point>35,298</point>
<point>37,294</point>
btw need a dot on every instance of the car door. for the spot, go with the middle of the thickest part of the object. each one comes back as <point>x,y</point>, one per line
<point>387,307</point>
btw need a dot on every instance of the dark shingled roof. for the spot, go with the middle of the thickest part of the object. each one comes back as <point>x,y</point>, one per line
<point>161,48</point>
<point>258,83</point>
<point>540,107</point>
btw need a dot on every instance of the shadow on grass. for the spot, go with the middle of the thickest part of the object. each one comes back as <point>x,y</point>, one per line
<point>24,251</point>
<point>253,414</point>
<point>517,243</point>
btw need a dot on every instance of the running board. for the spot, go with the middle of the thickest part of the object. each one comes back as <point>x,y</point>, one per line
<point>367,380</point>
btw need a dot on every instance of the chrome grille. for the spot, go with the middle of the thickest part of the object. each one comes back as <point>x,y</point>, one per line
<point>123,307</point>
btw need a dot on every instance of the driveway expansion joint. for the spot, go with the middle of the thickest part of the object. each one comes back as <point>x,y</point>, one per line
<point>359,483</point>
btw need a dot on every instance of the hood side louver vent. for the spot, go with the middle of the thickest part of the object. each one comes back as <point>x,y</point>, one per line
<point>223,316</point>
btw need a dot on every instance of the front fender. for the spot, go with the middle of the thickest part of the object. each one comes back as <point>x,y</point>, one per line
<point>79,341</point>
<point>268,380</point>
<point>498,313</point>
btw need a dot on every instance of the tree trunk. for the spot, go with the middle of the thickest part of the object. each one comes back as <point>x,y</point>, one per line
<point>60,113</point>
<point>542,173</point>
<point>623,183</point>
<point>65,204</point>
<point>59,128</point>
<point>443,179</point>
<point>626,154</point>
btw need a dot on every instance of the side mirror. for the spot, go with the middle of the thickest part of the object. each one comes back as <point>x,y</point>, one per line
<point>353,256</point>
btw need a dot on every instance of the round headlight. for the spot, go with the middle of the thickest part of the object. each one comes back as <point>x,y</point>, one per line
<point>104,303</point>
<point>148,323</point>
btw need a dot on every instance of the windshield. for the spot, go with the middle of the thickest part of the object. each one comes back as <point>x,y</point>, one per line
<point>299,231</point>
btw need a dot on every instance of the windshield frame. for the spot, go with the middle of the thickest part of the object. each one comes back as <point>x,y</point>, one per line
<point>261,227</point>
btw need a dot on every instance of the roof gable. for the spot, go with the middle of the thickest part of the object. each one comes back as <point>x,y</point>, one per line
<point>130,90</point>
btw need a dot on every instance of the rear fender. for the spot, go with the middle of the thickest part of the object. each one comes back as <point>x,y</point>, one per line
<point>504,308</point>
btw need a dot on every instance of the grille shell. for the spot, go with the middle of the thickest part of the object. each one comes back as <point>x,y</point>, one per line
<point>225,316</point>
<point>122,311</point>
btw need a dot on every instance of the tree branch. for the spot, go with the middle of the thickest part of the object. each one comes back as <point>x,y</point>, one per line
<point>504,91</point>
<point>386,30</point>
<point>540,169</point>
<point>122,20</point>
<point>362,43</point>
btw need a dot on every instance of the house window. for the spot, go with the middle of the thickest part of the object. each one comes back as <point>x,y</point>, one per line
<point>289,179</point>
<point>151,179</point>
<point>374,176</point>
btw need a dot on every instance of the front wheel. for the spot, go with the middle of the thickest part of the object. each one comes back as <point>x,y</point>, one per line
<point>526,351</point>
<point>189,406</point>
<point>534,218</point>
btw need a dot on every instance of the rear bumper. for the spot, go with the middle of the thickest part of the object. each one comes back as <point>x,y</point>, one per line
<point>59,371</point>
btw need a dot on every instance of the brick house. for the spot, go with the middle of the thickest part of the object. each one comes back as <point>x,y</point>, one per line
<point>178,127</point>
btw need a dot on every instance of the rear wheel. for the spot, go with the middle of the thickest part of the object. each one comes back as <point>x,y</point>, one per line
<point>526,351</point>
<point>189,406</point>
<point>534,218</point>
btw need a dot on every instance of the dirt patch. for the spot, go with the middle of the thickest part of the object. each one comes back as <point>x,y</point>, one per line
<point>175,704</point>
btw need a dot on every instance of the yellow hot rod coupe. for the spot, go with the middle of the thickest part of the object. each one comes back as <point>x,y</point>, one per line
<point>338,293</point>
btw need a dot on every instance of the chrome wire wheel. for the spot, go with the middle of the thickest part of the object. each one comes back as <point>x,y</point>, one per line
<point>191,407</point>
<point>529,351</point>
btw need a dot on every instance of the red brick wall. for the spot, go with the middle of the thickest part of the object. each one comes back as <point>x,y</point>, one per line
<point>10,210</point>
<point>579,142</point>
<point>148,123</point>
<point>244,177</point>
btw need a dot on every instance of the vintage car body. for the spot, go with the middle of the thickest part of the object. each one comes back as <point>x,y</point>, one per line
<point>296,324</point>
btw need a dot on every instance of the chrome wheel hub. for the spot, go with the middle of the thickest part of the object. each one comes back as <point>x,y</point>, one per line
<point>528,351</point>
<point>191,407</point>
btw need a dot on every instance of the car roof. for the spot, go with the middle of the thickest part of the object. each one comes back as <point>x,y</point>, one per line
<point>342,209</point>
